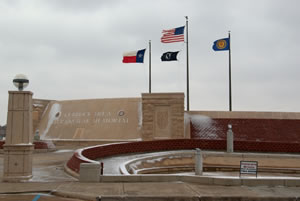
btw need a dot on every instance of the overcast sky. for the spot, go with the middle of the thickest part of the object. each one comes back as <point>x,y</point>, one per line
<point>72,49</point>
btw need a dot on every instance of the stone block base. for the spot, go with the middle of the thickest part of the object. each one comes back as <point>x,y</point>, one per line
<point>89,172</point>
<point>17,162</point>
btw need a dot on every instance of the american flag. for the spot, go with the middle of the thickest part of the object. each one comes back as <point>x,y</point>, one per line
<point>173,35</point>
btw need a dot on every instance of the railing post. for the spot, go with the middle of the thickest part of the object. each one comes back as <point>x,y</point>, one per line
<point>102,168</point>
<point>230,137</point>
<point>198,162</point>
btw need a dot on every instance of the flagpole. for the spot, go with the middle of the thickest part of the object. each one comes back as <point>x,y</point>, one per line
<point>150,66</point>
<point>187,67</point>
<point>230,91</point>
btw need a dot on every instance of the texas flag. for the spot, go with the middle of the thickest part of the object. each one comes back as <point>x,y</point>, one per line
<point>134,56</point>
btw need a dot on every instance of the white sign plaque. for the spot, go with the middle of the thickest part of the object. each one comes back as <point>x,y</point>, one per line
<point>248,167</point>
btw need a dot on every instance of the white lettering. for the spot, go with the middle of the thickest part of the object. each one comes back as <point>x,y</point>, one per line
<point>74,118</point>
<point>98,120</point>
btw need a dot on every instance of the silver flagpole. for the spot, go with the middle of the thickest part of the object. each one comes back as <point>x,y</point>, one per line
<point>230,91</point>
<point>150,66</point>
<point>187,67</point>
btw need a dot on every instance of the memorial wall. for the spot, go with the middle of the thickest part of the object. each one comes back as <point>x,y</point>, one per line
<point>101,119</point>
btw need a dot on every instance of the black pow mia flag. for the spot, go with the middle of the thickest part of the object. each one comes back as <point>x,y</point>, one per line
<point>169,56</point>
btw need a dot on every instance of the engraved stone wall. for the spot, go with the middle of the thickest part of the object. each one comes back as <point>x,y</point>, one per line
<point>38,108</point>
<point>93,119</point>
<point>163,116</point>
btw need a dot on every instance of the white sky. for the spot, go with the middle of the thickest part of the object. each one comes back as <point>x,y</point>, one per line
<point>72,49</point>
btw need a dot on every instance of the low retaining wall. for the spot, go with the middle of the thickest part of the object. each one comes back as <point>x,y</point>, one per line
<point>247,129</point>
<point>37,145</point>
<point>204,180</point>
<point>170,162</point>
<point>89,154</point>
<point>85,142</point>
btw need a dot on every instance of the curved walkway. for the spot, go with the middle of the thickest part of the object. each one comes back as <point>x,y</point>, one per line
<point>55,182</point>
<point>89,154</point>
<point>117,165</point>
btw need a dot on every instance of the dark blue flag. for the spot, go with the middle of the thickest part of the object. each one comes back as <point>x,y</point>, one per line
<point>169,56</point>
<point>221,44</point>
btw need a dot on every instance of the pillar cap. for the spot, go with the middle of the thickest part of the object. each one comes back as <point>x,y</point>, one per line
<point>163,95</point>
<point>20,92</point>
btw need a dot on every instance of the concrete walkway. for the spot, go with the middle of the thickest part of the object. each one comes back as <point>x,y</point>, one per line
<point>50,179</point>
<point>155,191</point>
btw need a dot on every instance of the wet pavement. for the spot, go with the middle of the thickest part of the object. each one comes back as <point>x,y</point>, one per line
<point>145,191</point>
<point>48,167</point>
<point>112,164</point>
<point>50,180</point>
<point>33,197</point>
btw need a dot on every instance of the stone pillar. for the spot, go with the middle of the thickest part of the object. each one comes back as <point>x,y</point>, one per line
<point>163,116</point>
<point>229,139</point>
<point>198,162</point>
<point>18,145</point>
